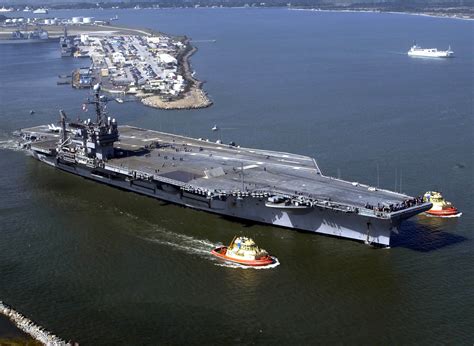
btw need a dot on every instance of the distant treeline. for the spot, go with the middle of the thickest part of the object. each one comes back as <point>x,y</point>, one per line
<point>323,4</point>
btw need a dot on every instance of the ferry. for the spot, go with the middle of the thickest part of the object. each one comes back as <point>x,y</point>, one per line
<point>40,11</point>
<point>243,250</point>
<point>441,207</point>
<point>417,51</point>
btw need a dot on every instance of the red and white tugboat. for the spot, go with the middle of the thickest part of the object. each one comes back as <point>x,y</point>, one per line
<point>441,207</point>
<point>244,251</point>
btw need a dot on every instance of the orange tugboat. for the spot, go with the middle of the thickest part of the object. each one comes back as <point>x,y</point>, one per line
<point>243,250</point>
<point>441,207</point>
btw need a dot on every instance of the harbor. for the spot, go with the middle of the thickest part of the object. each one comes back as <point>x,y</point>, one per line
<point>56,29</point>
<point>152,66</point>
<point>101,265</point>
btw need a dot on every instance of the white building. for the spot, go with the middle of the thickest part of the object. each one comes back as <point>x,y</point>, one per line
<point>167,60</point>
<point>118,58</point>
<point>153,39</point>
<point>84,39</point>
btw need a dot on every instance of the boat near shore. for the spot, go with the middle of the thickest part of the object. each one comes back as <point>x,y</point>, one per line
<point>417,51</point>
<point>36,36</point>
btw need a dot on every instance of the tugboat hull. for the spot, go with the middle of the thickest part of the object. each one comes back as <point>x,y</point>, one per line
<point>443,212</point>
<point>221,252</point>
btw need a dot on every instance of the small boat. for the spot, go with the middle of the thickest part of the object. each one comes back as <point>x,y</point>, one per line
<point>243,250</point>
<point>119,100</point>
<point>441,207</point>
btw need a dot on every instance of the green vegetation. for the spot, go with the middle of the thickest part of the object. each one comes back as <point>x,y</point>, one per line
<point>19,342</point>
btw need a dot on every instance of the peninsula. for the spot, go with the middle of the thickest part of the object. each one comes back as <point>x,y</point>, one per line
<point>153,67</point>
<point>147,65</point>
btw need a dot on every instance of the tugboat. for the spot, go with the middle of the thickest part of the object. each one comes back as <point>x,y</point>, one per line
<point>243,250</point>
<point>441,207</point>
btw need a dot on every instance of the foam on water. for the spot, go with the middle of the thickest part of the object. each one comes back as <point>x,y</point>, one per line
<point>444,217</point>
<point>188,244</point>
<point>233,265</point>
<point>199,247</point>
<point>127,214</point>
<point>9,144</point>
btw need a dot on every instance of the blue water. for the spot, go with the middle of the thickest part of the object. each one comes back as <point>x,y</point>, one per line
<point>104,266</point>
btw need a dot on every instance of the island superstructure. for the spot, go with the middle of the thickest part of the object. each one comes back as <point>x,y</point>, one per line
<point>264,186</point>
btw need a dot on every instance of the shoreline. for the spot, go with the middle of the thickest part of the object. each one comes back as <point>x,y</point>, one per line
<point>435,12</point>
<point>56,31</point>
<point>193,98</point>
<point>378,10</point>
<point>10,334</point>
<point>440,12</point>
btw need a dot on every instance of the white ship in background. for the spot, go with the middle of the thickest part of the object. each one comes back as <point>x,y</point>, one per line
<point>40,11</point>
<point>416,50</point>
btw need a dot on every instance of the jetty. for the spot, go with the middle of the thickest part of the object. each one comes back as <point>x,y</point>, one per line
<point>29,327</point>
<point>195,98</point>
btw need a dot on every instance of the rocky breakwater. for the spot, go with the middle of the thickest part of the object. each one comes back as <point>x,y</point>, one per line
<point>29,327</point>
<point>192,98</point>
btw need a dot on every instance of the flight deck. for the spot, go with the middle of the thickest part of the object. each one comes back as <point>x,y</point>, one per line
<point>226,168</point>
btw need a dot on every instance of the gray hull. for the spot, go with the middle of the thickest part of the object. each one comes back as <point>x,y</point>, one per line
<point>312,219</point>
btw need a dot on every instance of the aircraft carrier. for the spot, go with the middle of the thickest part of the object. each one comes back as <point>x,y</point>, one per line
<point>263,186</point>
